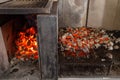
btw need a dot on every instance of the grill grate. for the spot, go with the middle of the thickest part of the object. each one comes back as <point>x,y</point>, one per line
<point>24,4</point>
<point>80,67</point>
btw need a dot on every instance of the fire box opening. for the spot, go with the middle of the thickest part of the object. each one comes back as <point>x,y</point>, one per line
<point>20,38</point>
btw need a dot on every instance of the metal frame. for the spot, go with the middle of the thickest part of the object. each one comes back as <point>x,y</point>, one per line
<point>48,40</point>
<point>87,13</point>
<point>25,10</point>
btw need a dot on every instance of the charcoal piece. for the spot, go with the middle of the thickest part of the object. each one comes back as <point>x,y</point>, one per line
<point>109,56</point>
<point>31,72</point>
<point>116,34</point>
<point>14,70</point>
<point>100,52</point>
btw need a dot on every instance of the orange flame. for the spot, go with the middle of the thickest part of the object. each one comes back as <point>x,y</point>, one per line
<point>26,43</point>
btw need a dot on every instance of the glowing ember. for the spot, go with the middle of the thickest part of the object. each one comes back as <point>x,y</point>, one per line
<point>26,43</point>
<point>79,41</point>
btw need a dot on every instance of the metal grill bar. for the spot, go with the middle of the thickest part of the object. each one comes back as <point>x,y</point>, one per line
<point>25,6</point>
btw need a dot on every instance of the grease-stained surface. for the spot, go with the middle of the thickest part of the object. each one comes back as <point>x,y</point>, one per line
<point>72,13</point>
<point>104,14</point>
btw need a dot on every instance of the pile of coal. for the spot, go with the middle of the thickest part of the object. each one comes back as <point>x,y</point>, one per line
<point>81,41</point>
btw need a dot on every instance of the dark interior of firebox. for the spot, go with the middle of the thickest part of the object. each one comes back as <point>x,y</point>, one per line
<point>20,38</point>
<point>88,52</point>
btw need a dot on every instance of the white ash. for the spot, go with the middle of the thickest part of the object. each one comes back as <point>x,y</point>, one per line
<point>62,48</point>
<point>106,47</point>
<point>103,31</point>
<point>97,45</point>
<point>110,48</point>
<point>109,55</point>
<point>111,34</point>
<point>117,40</point>
<point>97,40</point>
<point>20,69</point>
<point>110,44</point>
<point>103,59</point>
<point>14,62</point>
<point>86,49</point>
<point>116,47</point>
<point>104,36</point>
